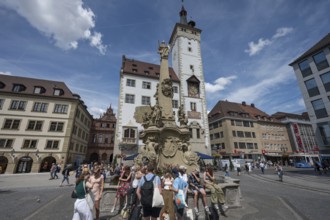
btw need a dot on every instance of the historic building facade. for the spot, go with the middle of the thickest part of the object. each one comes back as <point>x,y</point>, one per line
<point>138,84</point>
<point>301,135</point>
<point>41,122</point>
<point>313,74</point>
<point>102,138</point>
<point>243,131</point>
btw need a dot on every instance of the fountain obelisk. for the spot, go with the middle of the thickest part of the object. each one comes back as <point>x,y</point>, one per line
<point>165,142</point>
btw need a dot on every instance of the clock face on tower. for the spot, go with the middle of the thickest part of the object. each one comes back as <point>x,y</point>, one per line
<point>193,90</point>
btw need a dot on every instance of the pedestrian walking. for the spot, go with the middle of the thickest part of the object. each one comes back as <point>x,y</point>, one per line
<point>247,167</point>
<point>57,170</point>
<point>66,174</point>
<point>226,169</point>
<point>97,180</point>
<point>52,171</point>
<point>81,209</point>
<point>262,167</point>
<point>279,172</point>
<point>238,169</point>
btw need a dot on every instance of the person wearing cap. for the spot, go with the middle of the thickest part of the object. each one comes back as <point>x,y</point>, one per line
<point>196,187</point>
<point>217,195</point>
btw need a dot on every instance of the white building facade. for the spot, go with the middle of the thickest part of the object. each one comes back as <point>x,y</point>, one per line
<point>138,84</point>
<point>187,64</point>
<point>313,74</point>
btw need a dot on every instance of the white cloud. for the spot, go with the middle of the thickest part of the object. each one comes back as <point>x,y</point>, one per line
<point>281,32</point>
<point>65,22</point>
<point>256,92</point>
<point>255,48</point>
<point>219,84</point>
<point>96,112</point>
<point>5,73</point>
<point>301,102</point>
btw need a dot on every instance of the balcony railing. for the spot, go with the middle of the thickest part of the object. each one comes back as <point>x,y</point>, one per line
<point>129,140</point>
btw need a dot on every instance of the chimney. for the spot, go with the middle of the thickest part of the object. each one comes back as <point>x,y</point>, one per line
<point>252,105</point>
<point>244,103</point>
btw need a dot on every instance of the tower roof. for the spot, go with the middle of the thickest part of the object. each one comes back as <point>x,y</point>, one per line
<point>183,16</point>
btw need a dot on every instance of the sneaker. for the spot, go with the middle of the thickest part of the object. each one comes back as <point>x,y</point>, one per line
<point>113,209</point>
<point>217,209</point>
<point>196,211</point>
<point>207,210</point>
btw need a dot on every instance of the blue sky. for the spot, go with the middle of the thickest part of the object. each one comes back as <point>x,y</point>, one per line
<point>246,44</point>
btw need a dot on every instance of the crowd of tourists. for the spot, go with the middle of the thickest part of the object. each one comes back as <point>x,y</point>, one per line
<point>148,193</point>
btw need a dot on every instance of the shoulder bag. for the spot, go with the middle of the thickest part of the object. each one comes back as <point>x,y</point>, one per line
<point>89,198</point>
<point>157,198</point>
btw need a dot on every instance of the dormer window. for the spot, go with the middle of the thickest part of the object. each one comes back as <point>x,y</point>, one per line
<point>134,70</point>
<point>58,92</point>
<point>146,72</point>
<point>2,85</point>
<point>134,65</point>
<point>150,68</point>
<point>18,88</point>
<point>157,74</point>
<point>39,90</point>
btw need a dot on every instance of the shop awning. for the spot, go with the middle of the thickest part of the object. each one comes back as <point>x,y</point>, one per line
<point>131,157</point>
<point>204,156</point>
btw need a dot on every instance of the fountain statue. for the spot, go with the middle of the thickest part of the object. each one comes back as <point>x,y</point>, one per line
<point>165,142</point>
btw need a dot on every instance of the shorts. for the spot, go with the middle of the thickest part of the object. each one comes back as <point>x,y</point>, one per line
<point>151,211</point>
<point>195,190</point>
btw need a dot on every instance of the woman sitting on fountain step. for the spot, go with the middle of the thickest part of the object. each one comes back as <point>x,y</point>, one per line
<point>217,195</point>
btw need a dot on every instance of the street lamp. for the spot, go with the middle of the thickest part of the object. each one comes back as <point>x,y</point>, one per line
<point>12,153</point>
<point>37,154</point>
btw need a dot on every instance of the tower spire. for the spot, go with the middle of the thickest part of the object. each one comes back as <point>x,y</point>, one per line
<point>183,15</point>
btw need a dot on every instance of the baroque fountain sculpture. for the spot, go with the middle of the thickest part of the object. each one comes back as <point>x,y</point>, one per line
<point>165,142</point>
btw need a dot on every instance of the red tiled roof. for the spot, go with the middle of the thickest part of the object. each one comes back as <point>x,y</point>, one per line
<point>237,110</point>
<point>324,42</point>
<point>139,68</point>
<point>280,115</point>
<point>30,83</point>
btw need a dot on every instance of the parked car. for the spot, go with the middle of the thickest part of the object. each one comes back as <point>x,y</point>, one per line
<point>303,165</point>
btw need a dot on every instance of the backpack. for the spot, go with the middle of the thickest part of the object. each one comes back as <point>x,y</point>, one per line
<point>147,192</point>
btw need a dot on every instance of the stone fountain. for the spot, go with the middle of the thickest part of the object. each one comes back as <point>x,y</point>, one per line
<point>165,142</point>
